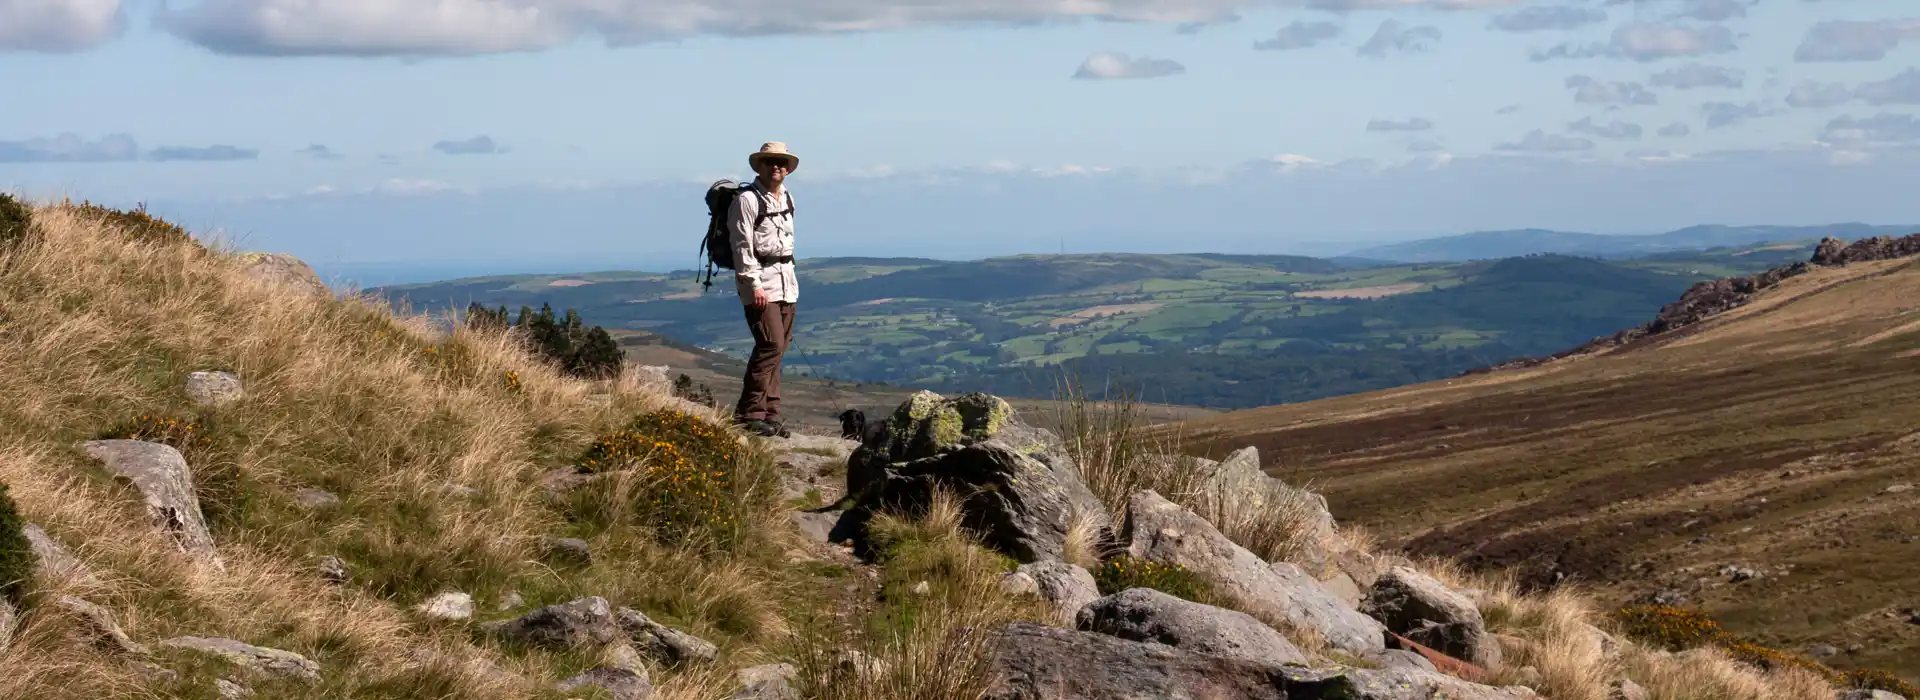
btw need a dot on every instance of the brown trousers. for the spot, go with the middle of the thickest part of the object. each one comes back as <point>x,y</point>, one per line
<point>772,327</point>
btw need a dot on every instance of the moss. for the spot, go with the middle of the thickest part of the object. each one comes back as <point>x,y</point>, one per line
<point>945,429</point>
<point>16,551</point>
<point>982,415</point>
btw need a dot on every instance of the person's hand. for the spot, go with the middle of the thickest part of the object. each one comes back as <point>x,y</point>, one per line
<point>759,297</point>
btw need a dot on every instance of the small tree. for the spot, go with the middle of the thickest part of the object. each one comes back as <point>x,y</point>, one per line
<point>596,356</point>
<point>17,559</point>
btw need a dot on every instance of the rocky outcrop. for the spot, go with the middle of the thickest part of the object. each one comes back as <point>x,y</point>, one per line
<point>55,562</point>
<point>161,475</point>
<point>270,661</point>
<point>448,606</point>
<point>1147,615</point>
<point>1067,587</point>
<point>1414,605</point>
<point>100,626</point>
<point>283,269</point>
<point>1159,530</point>
<point>1035,662</point>
<point>1018,489</point>
<point>1711,298</point>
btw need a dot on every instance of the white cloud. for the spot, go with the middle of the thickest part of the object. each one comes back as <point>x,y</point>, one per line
<point>1392,37</point>
<point>1299,35</point>
<point>58,25</point>
<point>1109,66</point>
<point>1611,130</point>
<point>70,148</point>
<point>1414,124</point>
<point>1548,18</point>
<point>1591,91</point>
<point>1814,94</point>
<point>1843,40</point>
<point>1538,141</point>
<point>1699,75</point>
<point>1649,42</point>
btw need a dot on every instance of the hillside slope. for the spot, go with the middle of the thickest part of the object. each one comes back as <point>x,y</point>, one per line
<point>1752,452</point>
<point>1486,245</point>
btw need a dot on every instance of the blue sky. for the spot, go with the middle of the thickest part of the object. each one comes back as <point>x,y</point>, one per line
<point>575,132</point>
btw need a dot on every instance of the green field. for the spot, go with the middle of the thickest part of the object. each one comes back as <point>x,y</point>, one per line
<point>1198,328</point>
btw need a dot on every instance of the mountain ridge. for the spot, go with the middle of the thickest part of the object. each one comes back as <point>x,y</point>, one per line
<point>1515,242</point>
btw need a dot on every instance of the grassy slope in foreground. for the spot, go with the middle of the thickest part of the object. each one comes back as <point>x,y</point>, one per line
<point>1776,437</point>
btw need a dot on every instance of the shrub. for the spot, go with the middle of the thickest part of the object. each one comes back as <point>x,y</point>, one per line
<point>182,434</point>
<point>16,552</point>
<point>136,224</point>
<point>1870,679</point>
<point>586,352</point>
<point>15,217</point>
<point>685,468</point>
<point>1121,573</point>
<point>1670,628</point>
<point>1773,659</point>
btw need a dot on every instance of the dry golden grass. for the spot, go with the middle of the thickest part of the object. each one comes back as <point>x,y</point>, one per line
<point>388,412</point>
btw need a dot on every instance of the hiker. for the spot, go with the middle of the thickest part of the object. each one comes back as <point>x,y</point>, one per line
<point>760,233</point>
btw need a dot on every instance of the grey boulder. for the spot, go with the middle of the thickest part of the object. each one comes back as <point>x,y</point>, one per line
<point>1147,615</point>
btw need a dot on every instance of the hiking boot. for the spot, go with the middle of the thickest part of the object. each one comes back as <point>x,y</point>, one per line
<point>755,426</point>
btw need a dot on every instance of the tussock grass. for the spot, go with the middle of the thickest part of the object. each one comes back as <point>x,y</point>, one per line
<point>431,434</point>
<point>932,636</point>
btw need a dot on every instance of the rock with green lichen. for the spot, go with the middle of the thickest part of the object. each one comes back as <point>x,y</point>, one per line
<point>1018,487</point>
<point>928,424</point>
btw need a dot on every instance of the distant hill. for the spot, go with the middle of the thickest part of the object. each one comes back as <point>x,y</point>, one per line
<point>1486,245</point>
<point>1214,330</point>
<point>1779,437</point>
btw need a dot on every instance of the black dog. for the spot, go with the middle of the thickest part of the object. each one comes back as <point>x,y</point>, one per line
<point>853,424</point>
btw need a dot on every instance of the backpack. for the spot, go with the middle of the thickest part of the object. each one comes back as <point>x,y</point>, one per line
<point>718,250</point>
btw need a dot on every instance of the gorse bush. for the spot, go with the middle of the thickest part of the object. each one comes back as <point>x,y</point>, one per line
<point>1121,573</point>
<point>586,352</point>
<point>1670,628</point>
<point>1678,629</point>
<point>183,434</point>
<point>685,469</point>
<point>16,551</point>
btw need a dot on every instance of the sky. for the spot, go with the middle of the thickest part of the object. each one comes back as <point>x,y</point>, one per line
<point>510,135</point>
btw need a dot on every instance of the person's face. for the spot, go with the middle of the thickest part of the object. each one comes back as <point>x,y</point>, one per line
<point>775,169</point>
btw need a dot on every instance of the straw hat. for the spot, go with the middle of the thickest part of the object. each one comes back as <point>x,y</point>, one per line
<point>774,149</point>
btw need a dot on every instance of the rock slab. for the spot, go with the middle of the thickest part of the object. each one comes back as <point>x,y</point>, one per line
<point>1147,615</point>
<point>214,388</point>
<point>161,475</point>
<point>1159,530</point>
<point>584,622</point>
<point>272,661</point>
<point>1420,608</point>
<point>621,683</point>
<point>662,643</point>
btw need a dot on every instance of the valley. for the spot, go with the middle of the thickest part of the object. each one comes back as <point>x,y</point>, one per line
<point>1213,331</point>
<point>1758,465</point>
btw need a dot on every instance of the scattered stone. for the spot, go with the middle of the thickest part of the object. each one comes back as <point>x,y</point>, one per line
<point>9,621</point>
<point>860,665</point>
<point>315,498</point>
<point>1067,586</point>
<point>767,682</point>
<point>1737,574</point>
<point>161,475</point>
<point>817,526</point>
<point>230,690</point>
<point>1898,488</point>
<point>1147,615</point>
<point>510,601</point>
<point>1823,651</point>
<point>621,683</point>
<point>284,270</point>
<point>55,561</point>
<point>272,661</point>
<point>1869,695</point>
<point>624,656</point>
<point>922,588</point>
<point>1019,583</point>
<point>214,388</point>
<point>1424,610</point>
<point>585,622</point>
<point>333,569</point>
<point>100,622</point>
<point>1626,689</point>
<point>459,491</point>
<point>570,548</point>
<point>1159,530</point>
<point>666,644</point>
<point>448,606</point>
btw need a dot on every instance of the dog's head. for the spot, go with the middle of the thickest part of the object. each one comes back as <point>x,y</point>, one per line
<point>853,424</point>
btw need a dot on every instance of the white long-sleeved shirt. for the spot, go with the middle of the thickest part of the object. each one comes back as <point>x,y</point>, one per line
<point>773,238</point>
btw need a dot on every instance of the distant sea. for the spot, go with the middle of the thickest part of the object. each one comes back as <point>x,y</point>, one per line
<point>364,275</point>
